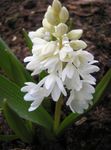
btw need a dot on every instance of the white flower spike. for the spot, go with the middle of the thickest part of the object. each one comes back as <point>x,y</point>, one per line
<point>60,52</point>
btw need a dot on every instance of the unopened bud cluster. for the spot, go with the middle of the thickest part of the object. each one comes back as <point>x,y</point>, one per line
<point>60,53</point>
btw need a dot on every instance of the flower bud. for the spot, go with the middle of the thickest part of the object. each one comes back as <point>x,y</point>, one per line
<point>51,16</point>
<point>47,26</point>
<point>64,15</point>
<point>78,44</point>
<point>56,5</point>
<point>60,30</point>
<point>75,34</point>
<point>38,33</point>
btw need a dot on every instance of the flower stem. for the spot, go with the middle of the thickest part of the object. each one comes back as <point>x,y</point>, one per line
<point>60,43</point>
<point>57,114</point>
<point>58,106</point>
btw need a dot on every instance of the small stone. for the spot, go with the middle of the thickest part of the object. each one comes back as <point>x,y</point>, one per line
<point>14,38</point>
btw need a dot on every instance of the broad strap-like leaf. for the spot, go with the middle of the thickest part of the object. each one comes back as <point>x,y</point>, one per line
<point>12,66</point>
<point>100,89</point>
<point>11,92</point>
<point>17,124</point>
<point>8,138</point>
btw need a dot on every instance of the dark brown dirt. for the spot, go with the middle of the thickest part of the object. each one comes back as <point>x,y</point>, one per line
<point>93,131</point>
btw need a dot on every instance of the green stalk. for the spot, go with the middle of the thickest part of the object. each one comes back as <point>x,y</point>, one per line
<point>57,114</point>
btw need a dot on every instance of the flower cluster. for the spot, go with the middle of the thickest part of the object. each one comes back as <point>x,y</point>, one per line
<point>61,54</point>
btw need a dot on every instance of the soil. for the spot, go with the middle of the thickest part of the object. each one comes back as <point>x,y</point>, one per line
<point>93,131</point>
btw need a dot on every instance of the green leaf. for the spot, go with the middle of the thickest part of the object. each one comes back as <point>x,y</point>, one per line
<point>8,138</point>
<point>17,124</point>
<point>11,65</point>
<point>100,90</point>
<point>102,87</point>
<point>11,92</point>
<point>27,39</point>
<point>42,75</point>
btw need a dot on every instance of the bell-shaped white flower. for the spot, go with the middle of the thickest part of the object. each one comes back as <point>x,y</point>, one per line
<point>75,82</point>
<point>79,69</point>
<point>38,44</point>
<point>40,33</point>
<point>82,57</point>
<point>66,54</point>
<point>35,94</point>
<point>33,65</point>
<point>80,100</point>
<point>54,86</point>
<point>50,64</point>
<point>68,71</point>
<point>85,72</point>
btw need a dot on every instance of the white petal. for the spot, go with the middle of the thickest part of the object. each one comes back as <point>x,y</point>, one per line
<point>55,93</point>
<point>92,68</point>
<point>32,65</point>
<point>49,48</point>
<point>28,97</point>
<point>42,81</point>
<point>35,105</point>
<point>38,33</point>
<point>39,41</point>
<point>29,85</point>
<point>80,100</point>
<point>51,61</point>
<point>32,108</point>
<point>68,71</point>
<point>93,61</point>
<point>36,71</point>
<point>29,58</point>
<point>50,81</point>
<point>77,62</point>
<point>71,97</point>
<point>90,79</point>
<point>88,69</point>
<point>66,54</point>
<point>77,81</point>
<point>60,85</point>
<point>75,108</point>
<point>64,73</point>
